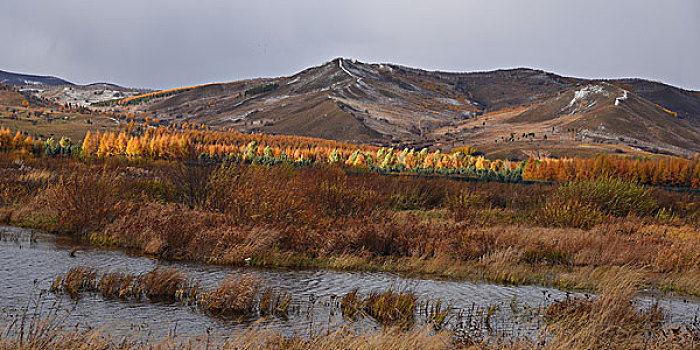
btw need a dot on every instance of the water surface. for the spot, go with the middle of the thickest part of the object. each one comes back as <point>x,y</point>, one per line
<point>30,261</point>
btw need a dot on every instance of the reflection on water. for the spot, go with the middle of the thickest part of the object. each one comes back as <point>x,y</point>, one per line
<point>29,262</point>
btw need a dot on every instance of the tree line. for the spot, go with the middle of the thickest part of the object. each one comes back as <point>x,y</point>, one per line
<point>185,142</point>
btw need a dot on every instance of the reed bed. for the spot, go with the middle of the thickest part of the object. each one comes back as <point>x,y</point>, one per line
<point>237,295</point>
<point>120,285</point>
<point>608,321</point>
<point>77,280</point>
<point>162,284</point>
<point>323,216</point>
<point>272,303</point>
<point>436,313</point>
<point>393,309</point>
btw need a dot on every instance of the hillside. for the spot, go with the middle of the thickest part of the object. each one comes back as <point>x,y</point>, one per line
<point>64,92</point>
<point>504,113</point>
<point>41,118</point>
<point>19,79</point>
<point>84,95</point>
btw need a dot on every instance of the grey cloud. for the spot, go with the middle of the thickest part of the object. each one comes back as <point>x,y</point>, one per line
<point>163,44</point>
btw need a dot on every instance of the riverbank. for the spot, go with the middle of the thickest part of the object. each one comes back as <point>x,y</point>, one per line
<point>480,316</point>
<point>506,265</point>
<point>565,236</point>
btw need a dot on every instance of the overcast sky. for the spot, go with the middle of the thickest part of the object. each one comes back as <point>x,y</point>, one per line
<point>169,43</point>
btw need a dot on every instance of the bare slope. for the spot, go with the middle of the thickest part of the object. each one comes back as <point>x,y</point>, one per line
<point>390,104</point>
<point>18,79</point>
<point>62,91</point>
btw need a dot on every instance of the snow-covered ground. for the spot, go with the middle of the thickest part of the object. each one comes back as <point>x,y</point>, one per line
<point>619,100</point>
<point>276,98</point>
<point>340,64</point>
<point>84,96</point>
<point>240,116</point>
<point>585,92</point>
<point>450,101</point>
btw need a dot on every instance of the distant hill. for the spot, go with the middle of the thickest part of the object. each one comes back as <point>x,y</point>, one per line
<point>510,113</point>
<point>685,103</point>
<point>62,91</point>
<point>18,79</point>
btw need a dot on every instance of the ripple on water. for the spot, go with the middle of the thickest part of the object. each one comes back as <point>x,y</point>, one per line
<point>29,262</point>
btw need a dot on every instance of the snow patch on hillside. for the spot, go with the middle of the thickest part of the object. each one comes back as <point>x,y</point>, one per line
<point>585,92</point>
<point>340,64</point>
<point>277,98</point>
<point>450,101</point>
<point>385,67</point>
<point>619,100</point>
<point>240,117</point>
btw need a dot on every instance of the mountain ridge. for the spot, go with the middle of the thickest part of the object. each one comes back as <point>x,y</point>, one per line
<point>11,78</point>
<point>507,112</point>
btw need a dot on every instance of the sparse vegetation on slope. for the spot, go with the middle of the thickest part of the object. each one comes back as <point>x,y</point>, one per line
<point>394,105</point>
<point>141,98</point>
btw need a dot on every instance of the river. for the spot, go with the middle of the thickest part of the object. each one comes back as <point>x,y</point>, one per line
<point>30,261</point>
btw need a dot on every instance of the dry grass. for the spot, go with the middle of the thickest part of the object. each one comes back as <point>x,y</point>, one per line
<point>245,340</point>
<point>390,309</point>
<point>322,217</point>
<point>612,321</point>
<point>235,295</point>
<point>609,321</point>
<point>163,284</point>
<point>76,280</point>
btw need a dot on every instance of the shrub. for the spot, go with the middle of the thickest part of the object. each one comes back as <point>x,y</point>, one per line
<point>85,202</point>
<point>466,204</point>
<point>585,204</point>
<point>568,213</point>
<point>190,183</point>
<point>417,193</point>
<point>339,199</point>
<point>614,197</point>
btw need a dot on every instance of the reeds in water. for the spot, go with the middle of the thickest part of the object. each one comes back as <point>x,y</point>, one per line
<point>237,295</point>
<point>162,284</point>
<point>120,285</point>
<point>388,308</point>
<point>273,303</point>
<point>77,280</point>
